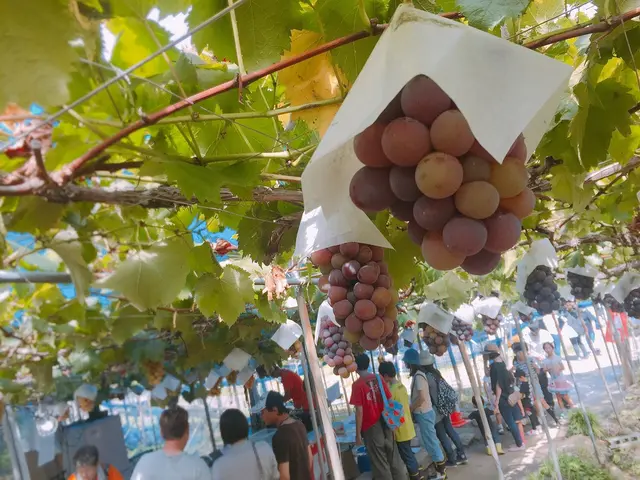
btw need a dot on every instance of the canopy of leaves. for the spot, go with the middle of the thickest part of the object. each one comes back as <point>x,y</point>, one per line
<point>136,225</point>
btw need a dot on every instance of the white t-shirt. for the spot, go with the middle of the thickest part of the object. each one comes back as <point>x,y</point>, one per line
<point>536,342</point>
<point>163,466</point>
<point>239,462</point>
<point>420,384</point>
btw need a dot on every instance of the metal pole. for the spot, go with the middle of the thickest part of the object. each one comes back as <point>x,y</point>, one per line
<point>314,421</point>
<point>456,372</point>
<point>606,346</point>
<point>346,397</point>
<point>627,372</point>
<point>535,387</point>
<point>604,379</point>
<point>575,383</point>
<point>208,415</point>
<point>480,404</point>
<point>335,463</point>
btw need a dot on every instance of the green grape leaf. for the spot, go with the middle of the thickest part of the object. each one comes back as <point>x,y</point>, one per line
<point>194,180</point>
<point>402,259</point>
<point>566,187</point>
<point>623,147</point>
<point>136,42</point>
<point>34,215</point>
<point>270,311</point>
<point>69,249</point>
<point>154,277</point>
<point>342,17</point>
<point>487,14</point>
<point>128,323</point>
<point>227,295</point>
<point>201,260</point>
<point>36,33</point>
<point>263,26</point>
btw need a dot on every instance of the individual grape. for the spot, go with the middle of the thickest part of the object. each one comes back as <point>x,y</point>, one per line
<point>481,263</point>
<point>384,268</point>
<point>363,291</point>
<point>510,178</point>
<point>324,284</point>
<point>402,210</point>
<point>431,214</point>
<point>437,255</point>
<point>381,297</point>
<point>521,205</point>
<point>368,147</point>
<point>377,253</point>
<point>352,298</point>
<point>329,342</point>
<point>477,199</point>
<point>368,274</point>
<point>342,309</point>
<point>337,278</point>
<point>439,175</point>
<point>334,248</point>
<point>351,368</point>
<point>416,232</point>
<point>337,337</point>
<point>405,141</point>
<point>338,260</point>
<point>450,133</point>
<point>336,294</point>
<point>391,311</point>
<point>364,255</point>
<point>350,249</point>
<point>464,236</point>
<point>374,328</point>
<point>350,269</point>
<point>321,257</point>
<point>402,181</point>
<point>475,169</point>
<point>365,310</point>
<point>368,343</point>
<point>370,191</point>
<point>353,324</point>
<point>351,336</point>
<point>503,232</point>
<point>383,281</point>
<point>392,111</point>
<point>337,359</point>
<point>423,99</point>
<point>389,325</point>
<point>347,360</point>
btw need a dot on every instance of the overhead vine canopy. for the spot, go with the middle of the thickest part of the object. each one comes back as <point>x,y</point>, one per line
<point>119,173</point>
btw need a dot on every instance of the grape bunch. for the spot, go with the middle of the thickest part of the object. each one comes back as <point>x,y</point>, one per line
<point>491,325</point>
<point>154,372</point>
<point>632,303</point>
<point>85,404</point>
<point>437,341</point>
<point>612,304</point>
<point>462,330</point>
<point>337,351</point>
<point>541,291</point>
<point>360,291</point>
<point>423,163</point>
<point>581,285</point>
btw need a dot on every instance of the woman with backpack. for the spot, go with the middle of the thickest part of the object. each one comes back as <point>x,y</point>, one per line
<point>422,410</point>
<point>444,400</point>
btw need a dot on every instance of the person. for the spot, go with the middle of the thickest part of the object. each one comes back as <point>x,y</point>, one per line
<point>290,442</point>
<point>572,320</point>
<point>87,465</point>
<point>527,402</point>
<point>559,385</point>
<point>371,428</point>
<point>475,415</point>
<point>241,457</point>
<point>444,429</point>
<point>502,387</point>
<point>294,390</point>
<point>405,432</point>
<point>423,412</point>
<point>535,337</point>
<point>171,463</point>
<point>491,398</point>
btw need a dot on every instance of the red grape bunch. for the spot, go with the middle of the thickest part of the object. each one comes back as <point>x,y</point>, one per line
<point>541,291</point>
<point>581,285</point>
<point>423,163</point>
<point>437,341</point>
<point>632,303</point>
<point>462,330</point>
<point>612,304</point>
<point>360,291</point>
<point>337,349</point>
<point>491,325</point>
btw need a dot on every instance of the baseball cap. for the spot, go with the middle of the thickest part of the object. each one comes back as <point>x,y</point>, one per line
<point>270,400</point>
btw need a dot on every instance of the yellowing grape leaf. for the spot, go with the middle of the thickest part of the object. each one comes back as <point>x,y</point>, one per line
<point>311,81</point>
<point>227,295</point>
<point>154,277</point>
<point>35,54</point>
<point>69,249</point>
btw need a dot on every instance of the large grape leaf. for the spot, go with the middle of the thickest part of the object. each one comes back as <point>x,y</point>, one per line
<point>67,246</point>
<point>310,81</point>
<point>35,53</point>
<point>154,277</point>
<point>263,27</point>
<point>486,14</point>
<point>227,295</point>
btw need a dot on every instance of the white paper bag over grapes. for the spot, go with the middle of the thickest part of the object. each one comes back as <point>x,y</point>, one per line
<point>436,128</point>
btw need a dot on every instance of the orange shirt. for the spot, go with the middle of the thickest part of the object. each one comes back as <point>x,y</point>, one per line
<point>114,474</point>
<point>294,387</point>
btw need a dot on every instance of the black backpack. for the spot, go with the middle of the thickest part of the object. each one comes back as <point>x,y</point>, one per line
<point>446,398</point>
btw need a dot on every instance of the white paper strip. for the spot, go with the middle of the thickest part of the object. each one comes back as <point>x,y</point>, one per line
<point>433,315</point>
<point>586,271</point>
<point>237,359</point>
<point>483,74</point>
<point>489,306</point>
<point>565,292</point>
<point>287,334</point>
<point>244,375</point>
<point>211,379</point>
<point>159,392</point>
<point>324,310</point>
<point>466,313</point>
<point>629,281</point>
<point>170,382</point>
